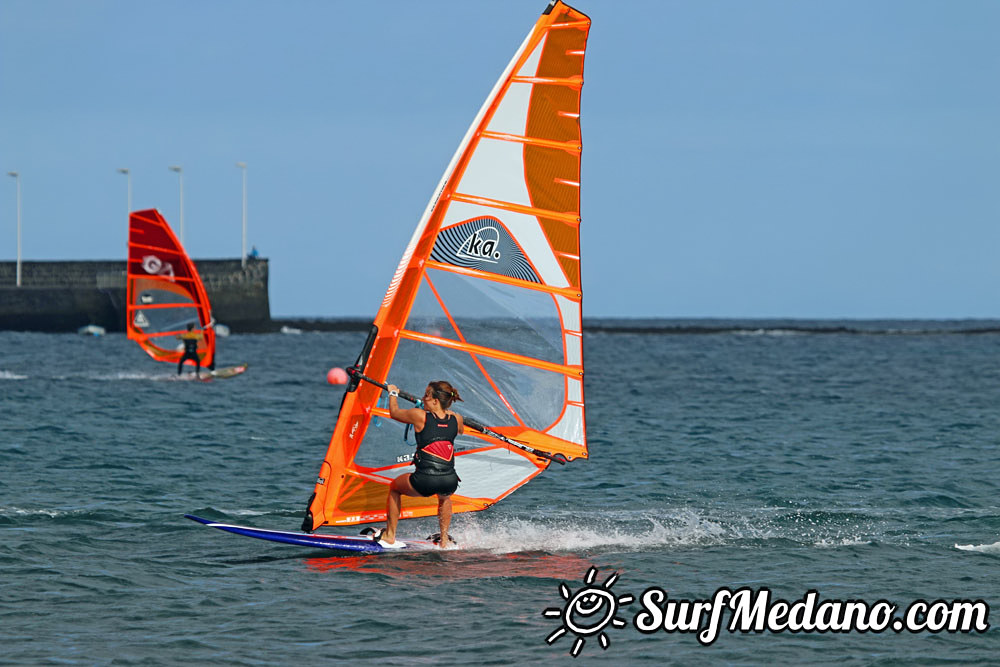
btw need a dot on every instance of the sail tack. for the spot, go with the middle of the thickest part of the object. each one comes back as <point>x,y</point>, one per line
<point>164,291</point>
<point>487,296</point>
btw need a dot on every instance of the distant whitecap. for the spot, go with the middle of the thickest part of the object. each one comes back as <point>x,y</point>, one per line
<point>983,548</point>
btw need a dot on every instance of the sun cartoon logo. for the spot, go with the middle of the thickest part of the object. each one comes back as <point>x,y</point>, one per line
<point>587,612</point>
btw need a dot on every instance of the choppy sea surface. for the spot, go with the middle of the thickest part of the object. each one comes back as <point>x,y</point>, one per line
<point>856,459</point>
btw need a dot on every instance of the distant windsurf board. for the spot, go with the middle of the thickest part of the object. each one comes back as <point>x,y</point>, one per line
<point>224,373</point>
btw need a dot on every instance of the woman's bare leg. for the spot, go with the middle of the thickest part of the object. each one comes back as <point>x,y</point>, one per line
<point>444,518</point>
<point>400,486</point>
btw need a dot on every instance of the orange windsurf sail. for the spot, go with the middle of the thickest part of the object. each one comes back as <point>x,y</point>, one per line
<point>164,292</point>
<point>486,296</point>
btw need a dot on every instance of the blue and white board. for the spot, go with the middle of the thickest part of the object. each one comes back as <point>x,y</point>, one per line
<point>337,542</point>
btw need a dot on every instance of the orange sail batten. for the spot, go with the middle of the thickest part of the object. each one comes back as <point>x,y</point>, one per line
<point>487,295</point>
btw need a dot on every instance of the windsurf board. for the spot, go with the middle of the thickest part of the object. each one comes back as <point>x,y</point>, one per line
<point>317,541</point>
<point>223,373</point>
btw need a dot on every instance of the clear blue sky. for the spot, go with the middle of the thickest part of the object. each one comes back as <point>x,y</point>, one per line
<point>781,158</point>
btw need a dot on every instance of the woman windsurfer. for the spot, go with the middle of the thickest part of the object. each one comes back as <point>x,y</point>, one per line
<point>436,428</point>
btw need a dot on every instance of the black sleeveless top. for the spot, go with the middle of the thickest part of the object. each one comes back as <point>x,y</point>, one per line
<point>436,445</point>
<point>190,339</point>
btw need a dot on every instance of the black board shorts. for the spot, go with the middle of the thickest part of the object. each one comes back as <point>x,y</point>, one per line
<point>429,485</point>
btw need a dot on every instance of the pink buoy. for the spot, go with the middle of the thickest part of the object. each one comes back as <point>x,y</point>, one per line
<point>336,375</point>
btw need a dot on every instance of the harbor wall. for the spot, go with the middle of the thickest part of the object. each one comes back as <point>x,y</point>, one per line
<point>62,296</point>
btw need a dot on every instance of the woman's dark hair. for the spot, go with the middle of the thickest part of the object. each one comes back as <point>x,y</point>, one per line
<point>444,393</point>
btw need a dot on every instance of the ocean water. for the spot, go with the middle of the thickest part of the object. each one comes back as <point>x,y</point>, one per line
<point>859,460</point>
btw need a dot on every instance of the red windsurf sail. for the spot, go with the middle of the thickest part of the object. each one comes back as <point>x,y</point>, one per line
<point>164,292</point>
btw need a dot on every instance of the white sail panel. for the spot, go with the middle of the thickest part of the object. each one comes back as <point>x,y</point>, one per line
<point>569,311</point>
<point>496,171</point>
<point>574,350</point>
<point>570,425</point>
<point>530,66</point>
<point>511,115</point>
<point>574,390</point>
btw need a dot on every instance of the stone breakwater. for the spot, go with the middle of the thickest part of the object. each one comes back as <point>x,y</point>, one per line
<point>61,296</point>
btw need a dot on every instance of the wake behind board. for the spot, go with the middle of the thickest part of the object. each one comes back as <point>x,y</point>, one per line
<point>335,542</point>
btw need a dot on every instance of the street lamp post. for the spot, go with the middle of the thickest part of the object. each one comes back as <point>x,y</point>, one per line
<point>128,175</point>
<point>180,177</point>
<point>243,166</point>
<point>17,178</point>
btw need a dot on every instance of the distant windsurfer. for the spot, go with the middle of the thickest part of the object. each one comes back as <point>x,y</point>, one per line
<point>436,428</point>
<point>191,339</point>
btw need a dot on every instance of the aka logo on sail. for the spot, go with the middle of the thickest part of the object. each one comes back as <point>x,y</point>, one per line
<point>482,244</point>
